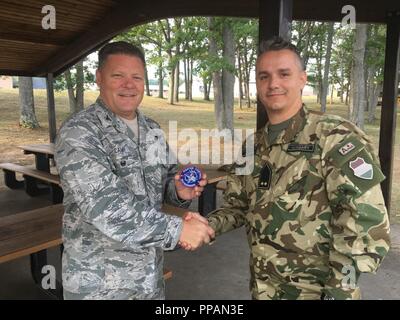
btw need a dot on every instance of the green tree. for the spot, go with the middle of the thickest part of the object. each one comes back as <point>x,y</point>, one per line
<point>75,80</point>
<point>222,52</point>
<point>246,39</point>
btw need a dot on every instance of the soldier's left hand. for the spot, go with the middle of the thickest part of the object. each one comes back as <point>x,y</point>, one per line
<point>188,193</point>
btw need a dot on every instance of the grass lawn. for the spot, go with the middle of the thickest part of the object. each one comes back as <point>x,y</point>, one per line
<point>197,115</point>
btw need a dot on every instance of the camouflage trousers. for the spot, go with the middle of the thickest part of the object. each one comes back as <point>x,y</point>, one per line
<point>273,290</point>
<point>116,294</point>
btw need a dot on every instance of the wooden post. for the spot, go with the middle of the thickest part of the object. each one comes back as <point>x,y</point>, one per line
<point>51,108</point>
<point>389,103</point>
<point>275,19</point>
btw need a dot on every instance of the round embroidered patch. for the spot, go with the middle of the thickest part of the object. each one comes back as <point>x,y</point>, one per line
<point>190,176</point>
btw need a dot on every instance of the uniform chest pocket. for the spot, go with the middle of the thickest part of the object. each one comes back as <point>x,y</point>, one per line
<point>128,167</point>
<point>124,160</point>
<point>290,177</point>
<point>298,189</point>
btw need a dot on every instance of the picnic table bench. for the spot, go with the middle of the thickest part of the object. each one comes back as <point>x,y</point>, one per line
<point>31,179</point>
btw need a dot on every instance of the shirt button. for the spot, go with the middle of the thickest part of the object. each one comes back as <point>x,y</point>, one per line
<point>123,163</point>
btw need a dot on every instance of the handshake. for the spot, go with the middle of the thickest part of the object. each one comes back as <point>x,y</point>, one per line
<point>195,231</point>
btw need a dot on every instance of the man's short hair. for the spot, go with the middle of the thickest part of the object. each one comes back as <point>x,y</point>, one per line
<point>277,44</point>
<point>119,47</point>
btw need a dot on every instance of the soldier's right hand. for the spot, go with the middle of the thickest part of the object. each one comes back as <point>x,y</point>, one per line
<point>194,215</point>
<point>194,234</point>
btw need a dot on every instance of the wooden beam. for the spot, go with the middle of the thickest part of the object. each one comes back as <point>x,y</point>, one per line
<point>21,73</point>
<point>275,19</point>
<point>129,13</point>
<point>51,110</point>
<point>389,103</point>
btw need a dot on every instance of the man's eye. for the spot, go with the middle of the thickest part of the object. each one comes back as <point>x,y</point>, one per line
<point>116,75</point>
<point>285,75</point>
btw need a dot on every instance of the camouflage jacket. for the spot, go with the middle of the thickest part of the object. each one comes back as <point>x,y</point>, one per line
<point>113,230</point>
<point>313,209</point>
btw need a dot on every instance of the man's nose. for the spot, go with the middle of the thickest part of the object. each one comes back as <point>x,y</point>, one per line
<point>273,82</point>
<point>129,83</point>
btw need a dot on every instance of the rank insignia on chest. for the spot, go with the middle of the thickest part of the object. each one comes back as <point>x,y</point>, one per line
<point>264,181</point>
<point>299,147</point>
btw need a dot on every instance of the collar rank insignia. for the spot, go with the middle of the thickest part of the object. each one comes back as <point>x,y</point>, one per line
<point>298,147</point>
<point>264,182</point>
<point>362,169</point>
<point>346,148</point>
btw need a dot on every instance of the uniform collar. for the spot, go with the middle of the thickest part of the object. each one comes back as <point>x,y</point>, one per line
<point>297,124</point>
<point>110,119</point>
<point>107,117</point>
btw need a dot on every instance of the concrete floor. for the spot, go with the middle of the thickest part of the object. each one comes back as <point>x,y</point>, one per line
<point>219,271</point>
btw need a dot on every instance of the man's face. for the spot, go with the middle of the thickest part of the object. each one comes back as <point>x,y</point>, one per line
<point>121,83</point>
<point>280,79</point>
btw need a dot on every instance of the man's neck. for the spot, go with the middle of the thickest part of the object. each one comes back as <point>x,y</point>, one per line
<point>279,117</point>
<point>128,117</point>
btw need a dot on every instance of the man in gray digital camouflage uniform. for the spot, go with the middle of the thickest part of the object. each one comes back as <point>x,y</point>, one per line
<point>313,208</point>
<point>115,178</point>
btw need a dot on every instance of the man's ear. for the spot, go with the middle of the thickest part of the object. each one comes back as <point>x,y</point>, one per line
<point>98,77</point>
<point>303,79</point>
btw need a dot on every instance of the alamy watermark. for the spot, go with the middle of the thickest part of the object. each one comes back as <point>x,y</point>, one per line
<point>187,146</point>
<point>49,278</point>
<point>349,280</point>
<point>349,20</point>
<point>49,20</point>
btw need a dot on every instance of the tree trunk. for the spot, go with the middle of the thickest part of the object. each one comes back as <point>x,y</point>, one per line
<point>373,101</point>
<point>305,53</point>
<point>185,72</point>
<point>247,80</point>
<point>146,82</point>
<point>71,93</point>
<point>206,90</point>
<point>190,79</point>
<point>75,91</point>
<point>160,75</point>
<point>176,83</point>
<point>331,99</point>
<point>79,87</point>
<point>240,78</point>
<point>217,80</point>
<point>228,78</point>
<point>247,92</point>
<point>347,102</point>
<point>325,81</point>
<point>27,117</point>
<point>358,101</point>
<point>171,82</point>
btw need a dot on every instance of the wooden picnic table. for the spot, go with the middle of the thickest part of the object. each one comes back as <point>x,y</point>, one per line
<point>207,200</point>
<point>43,153</point>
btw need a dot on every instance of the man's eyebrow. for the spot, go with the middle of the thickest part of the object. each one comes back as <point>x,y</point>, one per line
<point>261,72</point>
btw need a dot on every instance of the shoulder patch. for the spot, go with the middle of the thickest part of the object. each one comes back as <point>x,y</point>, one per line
<point>356,163</point>
<point>346,150</point>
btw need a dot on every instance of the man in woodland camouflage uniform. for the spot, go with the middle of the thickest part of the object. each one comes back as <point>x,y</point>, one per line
<point>115,179</point>
<point>313,207</point>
